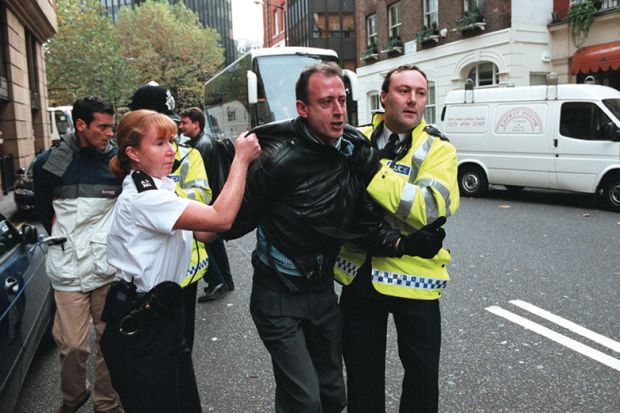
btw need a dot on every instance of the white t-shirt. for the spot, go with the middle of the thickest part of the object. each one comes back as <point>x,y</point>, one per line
<point>141,242</point>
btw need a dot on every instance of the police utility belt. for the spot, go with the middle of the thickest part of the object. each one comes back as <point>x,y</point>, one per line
<point>309,267</point>
<point>133,311</point>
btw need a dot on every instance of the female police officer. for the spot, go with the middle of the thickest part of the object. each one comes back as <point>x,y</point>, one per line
<point>149,244</point>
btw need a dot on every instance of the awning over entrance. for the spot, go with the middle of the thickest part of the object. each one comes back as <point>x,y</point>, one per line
<point>595,58</point>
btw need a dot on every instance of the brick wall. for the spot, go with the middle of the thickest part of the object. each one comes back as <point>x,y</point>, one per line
<point>496,12</point>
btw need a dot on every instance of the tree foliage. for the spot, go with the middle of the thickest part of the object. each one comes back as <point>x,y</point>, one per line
<point>84,58</point>
<point>153,41</point>
<point>167,44</point>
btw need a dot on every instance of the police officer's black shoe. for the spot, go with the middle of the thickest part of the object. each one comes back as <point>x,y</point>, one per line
<point>213,293</point>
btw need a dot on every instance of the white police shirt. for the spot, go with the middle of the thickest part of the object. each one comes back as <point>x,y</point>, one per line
<point>142,243</point>
<point>382,139</point>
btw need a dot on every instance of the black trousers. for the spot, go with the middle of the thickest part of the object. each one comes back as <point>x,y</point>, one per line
<point>302,332</point>
<point>152,371</point>
<point>189,303</point>
<point>418,327</point>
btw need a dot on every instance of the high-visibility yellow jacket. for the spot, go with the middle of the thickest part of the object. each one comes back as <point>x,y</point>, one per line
<point>191,180</point>
<point>414,191</point>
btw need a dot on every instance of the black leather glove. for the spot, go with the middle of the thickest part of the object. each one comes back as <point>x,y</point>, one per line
<point>364,163</point>
<point>425,242</point>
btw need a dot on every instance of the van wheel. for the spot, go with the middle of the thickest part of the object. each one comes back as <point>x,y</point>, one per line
<point>515,189</point>
<point>611,193</point>
<point>472,181</point>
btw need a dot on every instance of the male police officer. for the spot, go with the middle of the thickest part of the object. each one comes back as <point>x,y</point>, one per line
<point>192,126</point>
<point>305,198</point>
<point>417,183</point>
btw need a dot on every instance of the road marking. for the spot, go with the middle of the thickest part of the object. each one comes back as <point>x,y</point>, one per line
<point>569,325</point>
<point>557,337</point>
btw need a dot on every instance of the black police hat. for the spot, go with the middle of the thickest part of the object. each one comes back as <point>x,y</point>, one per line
<point>154,97</point>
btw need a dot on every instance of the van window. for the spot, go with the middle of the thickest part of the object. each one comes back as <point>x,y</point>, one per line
<point>583,120</point>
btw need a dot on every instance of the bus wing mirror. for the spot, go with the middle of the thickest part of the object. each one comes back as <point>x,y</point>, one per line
<point>252,87</point>
<point>349,74</point>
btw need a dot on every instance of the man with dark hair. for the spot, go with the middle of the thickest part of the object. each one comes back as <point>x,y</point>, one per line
<point>192,126</point>
<point>304,199</point>
<point>75,193</point>
<point>416,185</point>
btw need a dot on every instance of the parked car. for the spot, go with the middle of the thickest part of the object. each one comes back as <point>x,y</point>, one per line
<point>22,189</point>
<point>26,304</point>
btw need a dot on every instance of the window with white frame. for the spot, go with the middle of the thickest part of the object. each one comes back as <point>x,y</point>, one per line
<point>431,105</point>
<point>603,4</point>
<point>371,29</point>
<point>484,74</point>
<point>276,29</point>
<point>374,104</point>
<point>431,13</point>
<point>394,19</point>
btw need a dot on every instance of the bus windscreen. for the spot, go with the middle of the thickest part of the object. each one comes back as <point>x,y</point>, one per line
<point>277,76</point>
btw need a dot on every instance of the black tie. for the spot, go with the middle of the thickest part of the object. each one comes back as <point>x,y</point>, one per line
<point>389,150</point>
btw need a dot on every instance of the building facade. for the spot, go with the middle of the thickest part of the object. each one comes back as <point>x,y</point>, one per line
<point>595,52</point>
<point>492,42</point>
<point>216,14</point>
<point>327,24</point>
<point>24,125</point>
<point>275,25</point>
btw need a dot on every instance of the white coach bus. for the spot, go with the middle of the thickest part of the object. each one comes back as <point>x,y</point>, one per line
<point>259,88</point>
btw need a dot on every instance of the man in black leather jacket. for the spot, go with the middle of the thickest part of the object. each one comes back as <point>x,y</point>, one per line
<point>305,198</point>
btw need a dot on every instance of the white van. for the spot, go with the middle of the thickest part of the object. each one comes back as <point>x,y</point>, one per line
<point>61,121</point>
<point>563,137</point>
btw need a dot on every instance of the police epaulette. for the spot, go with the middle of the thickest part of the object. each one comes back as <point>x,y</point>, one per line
<point>431,130</point>
<point>143,181</point>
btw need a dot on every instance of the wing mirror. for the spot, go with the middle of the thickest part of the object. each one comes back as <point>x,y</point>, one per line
<point>30,235</point>
<point>612,132</point>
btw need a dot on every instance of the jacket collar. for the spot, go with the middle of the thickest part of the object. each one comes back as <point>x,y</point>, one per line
<point>61,156</point>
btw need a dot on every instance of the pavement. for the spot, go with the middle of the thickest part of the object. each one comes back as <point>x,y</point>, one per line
<point>7,205</point>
